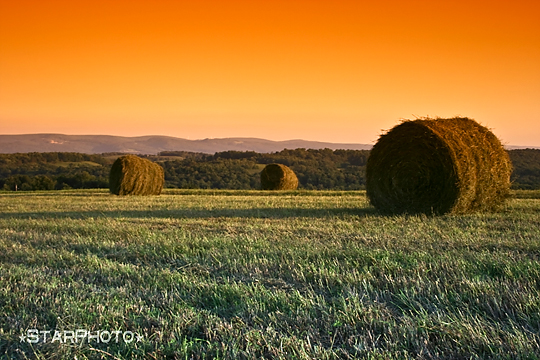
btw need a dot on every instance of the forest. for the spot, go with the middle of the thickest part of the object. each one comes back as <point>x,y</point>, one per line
<point>316,169</point>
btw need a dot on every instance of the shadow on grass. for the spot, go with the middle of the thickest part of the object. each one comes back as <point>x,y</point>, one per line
<point>185,192</point>
<point>263,213</point>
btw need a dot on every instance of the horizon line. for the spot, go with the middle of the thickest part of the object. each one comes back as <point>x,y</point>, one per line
<point>243,137</point>
<point>183,138</point>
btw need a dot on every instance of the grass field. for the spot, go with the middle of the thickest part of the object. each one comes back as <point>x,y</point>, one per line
<point>249,274</point>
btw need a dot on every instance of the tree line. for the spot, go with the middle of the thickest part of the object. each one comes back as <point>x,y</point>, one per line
<point>323,169</point>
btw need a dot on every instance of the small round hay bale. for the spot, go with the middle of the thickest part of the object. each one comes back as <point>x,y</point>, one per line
<point>132,175</point>
<point>278,177</point>
<point>438,166</point>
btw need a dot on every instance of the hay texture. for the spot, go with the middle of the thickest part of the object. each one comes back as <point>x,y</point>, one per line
<point>132,175</point>
<point>438,166</point>
<point>278,177</point>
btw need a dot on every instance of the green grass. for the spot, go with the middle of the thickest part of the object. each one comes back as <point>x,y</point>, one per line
<point>253,274</point>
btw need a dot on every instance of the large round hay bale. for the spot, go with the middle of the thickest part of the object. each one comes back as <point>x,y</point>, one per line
<point>278,177</point>
<point>438,166</point>
<point>132,175</point>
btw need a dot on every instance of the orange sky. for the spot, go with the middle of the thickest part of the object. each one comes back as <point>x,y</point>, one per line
<point>330,70</point>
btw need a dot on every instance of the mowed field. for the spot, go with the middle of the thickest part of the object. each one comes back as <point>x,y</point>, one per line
<point>250,274</point>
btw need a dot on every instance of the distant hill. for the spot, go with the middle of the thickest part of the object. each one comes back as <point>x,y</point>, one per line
<point>514,147</point>
<point>97,144</point>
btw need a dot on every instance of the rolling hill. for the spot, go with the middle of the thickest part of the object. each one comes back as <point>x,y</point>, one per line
<point>153,144</point>
<point>97,144</point>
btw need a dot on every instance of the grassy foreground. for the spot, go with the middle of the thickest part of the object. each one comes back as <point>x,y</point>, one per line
<point>248,275</point>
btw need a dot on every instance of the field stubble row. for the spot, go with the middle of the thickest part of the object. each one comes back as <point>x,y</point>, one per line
<point>251,274</point>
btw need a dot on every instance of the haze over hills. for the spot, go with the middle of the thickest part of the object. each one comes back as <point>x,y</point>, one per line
<point>97,144</point>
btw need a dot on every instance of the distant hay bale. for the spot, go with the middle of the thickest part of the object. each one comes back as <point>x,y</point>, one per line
<point>438,166</point>
<point>132,175</point>
<point>278,177</point>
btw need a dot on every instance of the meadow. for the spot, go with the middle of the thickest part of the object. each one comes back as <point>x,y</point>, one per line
<point>201,274</point>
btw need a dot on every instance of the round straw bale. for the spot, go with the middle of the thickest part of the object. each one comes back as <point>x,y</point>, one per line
<point>278,177</point>
<point>132,175</point>
<point>438,166</point>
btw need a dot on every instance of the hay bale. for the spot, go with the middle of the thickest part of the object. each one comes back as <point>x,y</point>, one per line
<point>438,166</point>
<point>278,177</point>
<point>132,175</point>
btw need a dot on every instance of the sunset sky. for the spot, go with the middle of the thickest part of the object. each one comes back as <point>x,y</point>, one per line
<point>334,70</point>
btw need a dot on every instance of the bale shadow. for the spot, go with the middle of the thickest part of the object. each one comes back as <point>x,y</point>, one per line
<point>259,212</point>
